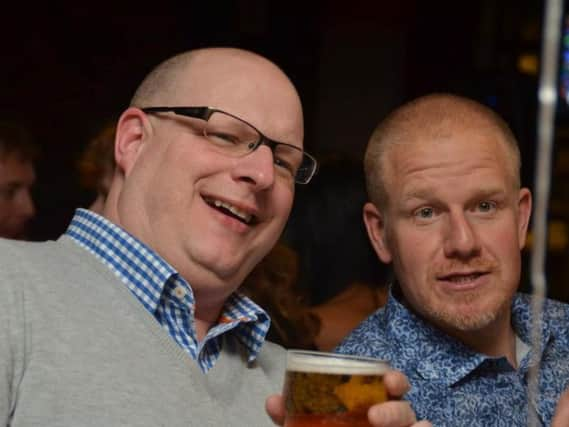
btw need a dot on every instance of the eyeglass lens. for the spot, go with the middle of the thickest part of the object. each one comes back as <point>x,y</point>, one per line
<point>239,138</point>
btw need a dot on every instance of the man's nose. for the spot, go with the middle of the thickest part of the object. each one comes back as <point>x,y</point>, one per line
<point>256,167</point>
<point>461,239</point>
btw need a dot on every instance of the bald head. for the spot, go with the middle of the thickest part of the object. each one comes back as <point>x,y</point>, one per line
<point>188,68</point>
<point>432,117</point>
<point>229,79</point>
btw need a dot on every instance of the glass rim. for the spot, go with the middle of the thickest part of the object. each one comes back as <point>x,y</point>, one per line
<point>334,363</point>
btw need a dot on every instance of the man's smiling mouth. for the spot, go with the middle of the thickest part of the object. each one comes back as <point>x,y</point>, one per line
<point>230,210</point>
<point>461,278</point>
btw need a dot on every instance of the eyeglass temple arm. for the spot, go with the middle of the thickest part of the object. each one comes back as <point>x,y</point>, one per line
<point>198,112</point>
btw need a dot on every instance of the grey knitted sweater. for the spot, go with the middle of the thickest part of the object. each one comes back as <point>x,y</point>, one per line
<point>77,349</point>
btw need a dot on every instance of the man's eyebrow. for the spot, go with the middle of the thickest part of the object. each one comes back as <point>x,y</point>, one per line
<point>489,192</point>
<point>430,193</point>
<point>422,193</point>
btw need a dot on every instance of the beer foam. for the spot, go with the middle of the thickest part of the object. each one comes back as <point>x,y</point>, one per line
<point>331,363</point>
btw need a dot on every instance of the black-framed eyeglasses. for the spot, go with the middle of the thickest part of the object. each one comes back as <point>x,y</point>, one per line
<point>236,137</point>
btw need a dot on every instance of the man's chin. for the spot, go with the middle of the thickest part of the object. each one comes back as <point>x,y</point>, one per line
<point>231,273</point>
<point>464,321</point>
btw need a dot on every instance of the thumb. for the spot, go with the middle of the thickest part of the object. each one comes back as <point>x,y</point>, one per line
<point>275,407</point>
<point>561,417</point>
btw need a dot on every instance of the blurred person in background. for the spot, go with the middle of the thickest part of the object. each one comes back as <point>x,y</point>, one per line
<point>97,165</point>
<point>323,278</point>
<point>338,268</point>
<point>17,176</point>
<point>273,284</point>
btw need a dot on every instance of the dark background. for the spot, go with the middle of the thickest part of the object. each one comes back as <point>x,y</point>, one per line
<point>65,72</point>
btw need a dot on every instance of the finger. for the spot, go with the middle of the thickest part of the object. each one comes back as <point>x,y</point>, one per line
<point>275,407</point>
<point>423,423</point>
<point>396,384</point>
<point>395,413</point>
<point>561,417</point>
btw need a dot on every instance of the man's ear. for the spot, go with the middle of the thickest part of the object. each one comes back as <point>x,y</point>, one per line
<point>375,226</point>
<point>524,214</point>
<point>132,131</point>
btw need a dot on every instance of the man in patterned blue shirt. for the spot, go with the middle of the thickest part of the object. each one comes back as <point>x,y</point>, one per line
<point>447,210</point>
<point>133,317</point>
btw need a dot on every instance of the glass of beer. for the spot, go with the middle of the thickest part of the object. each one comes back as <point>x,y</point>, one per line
<point>332,390</point>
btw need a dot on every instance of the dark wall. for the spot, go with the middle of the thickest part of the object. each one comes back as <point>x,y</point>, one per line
<point>64,76</point>
<point>66,71</point>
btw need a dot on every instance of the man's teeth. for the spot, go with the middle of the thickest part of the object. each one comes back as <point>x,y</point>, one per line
<point>460,279</point>
<point>243,215</point>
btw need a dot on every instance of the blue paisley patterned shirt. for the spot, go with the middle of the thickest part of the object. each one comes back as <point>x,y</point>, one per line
<point>455,386</point>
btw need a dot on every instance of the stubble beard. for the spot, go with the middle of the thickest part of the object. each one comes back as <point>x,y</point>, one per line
<point>449,315</point>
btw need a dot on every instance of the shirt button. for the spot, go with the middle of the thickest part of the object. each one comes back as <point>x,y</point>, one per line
<point>180,292</point>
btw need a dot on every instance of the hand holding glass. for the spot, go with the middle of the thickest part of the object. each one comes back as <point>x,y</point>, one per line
<point>333,390</point>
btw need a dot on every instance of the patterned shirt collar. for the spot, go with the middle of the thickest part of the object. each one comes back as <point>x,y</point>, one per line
<point>148,276</point>
<point>447,351</point>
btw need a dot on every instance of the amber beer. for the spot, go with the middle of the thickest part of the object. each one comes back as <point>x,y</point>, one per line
<point>332,390</point>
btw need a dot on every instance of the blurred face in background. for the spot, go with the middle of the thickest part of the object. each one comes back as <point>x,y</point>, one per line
<point>97,165</point>
<point>103,186</point>
<point>17,177</point>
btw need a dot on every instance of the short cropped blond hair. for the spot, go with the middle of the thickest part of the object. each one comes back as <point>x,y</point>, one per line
<point>430,116</point>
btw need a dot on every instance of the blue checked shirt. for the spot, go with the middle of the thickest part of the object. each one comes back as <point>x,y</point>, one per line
<point>165,294</point>
<point>452,385</point>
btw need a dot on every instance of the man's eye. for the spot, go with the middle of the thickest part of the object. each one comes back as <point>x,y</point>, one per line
<point>425,213</point>
<point>285,165</point>
<point>287,158</point>
<point>486,206</point>
<point>223,138</point>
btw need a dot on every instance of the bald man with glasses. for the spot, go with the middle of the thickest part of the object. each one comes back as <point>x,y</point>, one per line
<point>133,317</point>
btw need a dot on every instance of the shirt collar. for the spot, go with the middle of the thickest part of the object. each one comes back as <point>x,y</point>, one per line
<point>443,358</point>
<point>143,271</point>
<point>253,322</point>
<point>146,273</point>
<point>438,356</point>
<point>522,319</point>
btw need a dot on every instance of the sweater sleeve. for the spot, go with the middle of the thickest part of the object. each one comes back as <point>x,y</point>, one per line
<point>12,343</point>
